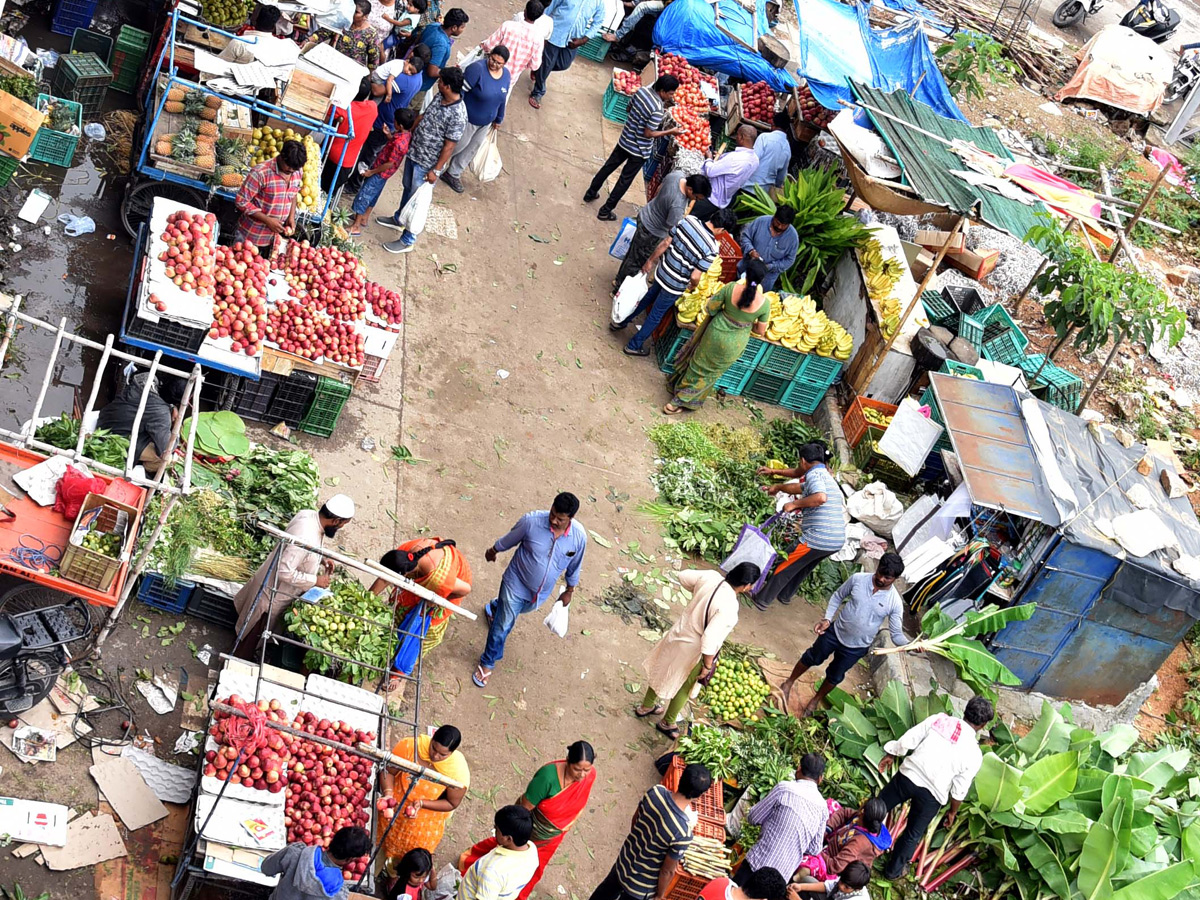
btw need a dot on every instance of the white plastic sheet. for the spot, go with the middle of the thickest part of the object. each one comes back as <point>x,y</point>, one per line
<point>910,438</point>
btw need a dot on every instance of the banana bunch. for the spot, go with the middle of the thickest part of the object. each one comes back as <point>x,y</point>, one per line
<point>797,324</point>
<point>881,276</point>
<point>691,307</point>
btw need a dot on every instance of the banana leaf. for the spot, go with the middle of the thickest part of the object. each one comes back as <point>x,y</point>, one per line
<point>895,708</point>
<point>852,732</point>
<point>975,665</point>
<point>1050,735</point>
<point>1160,766</point>
<point>1061,821</point>
<point>993,618</point>
<point>1163,885</point>
<point>998,784</point>
<point>1049,780</point>
<point>1096,863</point>
<point>1118,739</point>
<point>1046,863</point>
<point>1117,800</point>
<point>1190,845</point>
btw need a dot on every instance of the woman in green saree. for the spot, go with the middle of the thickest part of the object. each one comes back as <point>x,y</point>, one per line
<point>733,312</point>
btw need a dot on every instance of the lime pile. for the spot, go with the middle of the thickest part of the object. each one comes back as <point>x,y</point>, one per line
<point>736,691</point>
<point>105,544</point>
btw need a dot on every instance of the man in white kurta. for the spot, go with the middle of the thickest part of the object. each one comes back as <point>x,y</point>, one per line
<point>298,570</point>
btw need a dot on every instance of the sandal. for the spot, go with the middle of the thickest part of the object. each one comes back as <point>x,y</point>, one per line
<point>672,410</point>
<point>480,677</point>
<point>671,731</point>
<point>535,103</point>
<point>642,713</point>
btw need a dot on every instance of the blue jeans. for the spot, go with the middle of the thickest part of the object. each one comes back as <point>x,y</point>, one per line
<point>368,194</point>
<point>659,303</point>
<point>411,178</point>
<point>504,611</point>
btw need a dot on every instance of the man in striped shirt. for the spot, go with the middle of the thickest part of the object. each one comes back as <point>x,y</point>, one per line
<point>658,838</point>
<point>793,817</point>
<point>573,23</point>
<point>503,873</point>
<point>642,125</point>
<point>523,39</point>
<point>686,254</point>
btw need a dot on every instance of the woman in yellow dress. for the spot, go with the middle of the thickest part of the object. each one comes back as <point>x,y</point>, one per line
<point>421,820</point>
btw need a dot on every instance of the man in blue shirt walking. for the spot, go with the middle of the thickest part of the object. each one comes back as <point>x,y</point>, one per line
<point>549,545</point>
<point>574,22</point>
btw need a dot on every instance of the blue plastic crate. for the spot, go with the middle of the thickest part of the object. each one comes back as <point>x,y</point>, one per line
<point>72,14</point>
<point>153,591</point>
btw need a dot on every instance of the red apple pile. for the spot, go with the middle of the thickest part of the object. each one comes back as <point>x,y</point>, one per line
<point>297,328</point>
<point>262,769</point>
<point>670,64</point>
<point>385,303</point>
<point>811,110</point>
<point>190,249</point>
<point>696,134</point>
<point>625,82</point>
<point>331,280</point>
<point>758,101</point>
<point>689,95</point>
<point>239,307</point>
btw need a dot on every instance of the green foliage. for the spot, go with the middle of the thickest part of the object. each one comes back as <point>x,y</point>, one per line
<point>825,233</point>
<point>969,59</point>
<point>101,445</point>
<point>976,666</point>
<point>16,892</point>
<point>22,87</point>
<point>1097,300</point>
<point>272,485</point>
<point>335,625</point>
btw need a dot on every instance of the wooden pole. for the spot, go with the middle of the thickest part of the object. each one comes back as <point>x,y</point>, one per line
<point>1138,212</point>
<point>1117,341</point>
<point>941,254</point>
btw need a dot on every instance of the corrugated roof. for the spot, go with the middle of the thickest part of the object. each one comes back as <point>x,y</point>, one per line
<point>927,164</point>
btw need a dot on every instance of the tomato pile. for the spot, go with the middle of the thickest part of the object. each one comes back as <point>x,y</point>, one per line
<point>689,95</point>
<point>299,328</point>
<point>758,101</point>
<point>626,82</point>
<point>696,133</point>
<point>239,307</point>
<point>811,110</point>
<point>385,303</point>
<point>189,253</point>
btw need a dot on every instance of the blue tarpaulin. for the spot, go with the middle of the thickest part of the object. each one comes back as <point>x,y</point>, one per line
<point>837,43</point>
<point>689,28</point>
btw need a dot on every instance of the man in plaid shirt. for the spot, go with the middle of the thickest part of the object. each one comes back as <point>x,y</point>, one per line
<point>524,40</point>
<point>267,198</point>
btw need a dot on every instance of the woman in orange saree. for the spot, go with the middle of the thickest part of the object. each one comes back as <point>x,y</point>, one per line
<point>437,565</point>
<point>421,822</point>
<point>557,795</point>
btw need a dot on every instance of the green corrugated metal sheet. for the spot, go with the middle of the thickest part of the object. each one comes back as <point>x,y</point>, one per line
<point>927,164</point>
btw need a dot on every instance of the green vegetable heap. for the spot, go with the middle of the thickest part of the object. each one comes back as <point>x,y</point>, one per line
<point>335,625</point>
<point>103,543</point>
<point>736,691</point>
<point>101,445</point>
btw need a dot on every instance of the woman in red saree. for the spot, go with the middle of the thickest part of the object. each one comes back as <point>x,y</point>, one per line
<point>557,795</point>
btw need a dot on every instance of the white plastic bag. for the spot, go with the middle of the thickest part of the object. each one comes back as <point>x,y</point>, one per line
<point>876,507</point>
<point>632,290</point>
<point>486,164</point>
<point>556,619</point>
<point>416,210</point>
<point>444,887</point>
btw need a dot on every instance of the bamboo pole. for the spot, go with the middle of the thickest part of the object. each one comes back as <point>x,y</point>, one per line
<point>95,392</point>
<point>1138,213</point>
<point>941,254</point>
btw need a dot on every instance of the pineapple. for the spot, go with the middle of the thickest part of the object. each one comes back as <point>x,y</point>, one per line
<point>209,114</point>
<point>163,147</point>
<point>184,146</point>
<point>206,161</point>
<point>176,95</point>
<point>207,129</point>
<point>173,106</point>
<point>232,152</point>
<point>193,103</point>
<point>228,176</point>
<point>212,101</point>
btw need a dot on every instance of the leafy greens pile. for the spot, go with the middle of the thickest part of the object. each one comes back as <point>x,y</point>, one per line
<point>101,445</point>
<point>707,482</point>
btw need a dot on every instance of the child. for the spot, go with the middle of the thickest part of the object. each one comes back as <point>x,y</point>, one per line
<point>850,835</point>
<point>402,27</point>
<point>398,76</point>
<point>502,873</point>
<point>412,872</point>
<point>851,886</point>
<point>310,873</point>
<point>389,160</point>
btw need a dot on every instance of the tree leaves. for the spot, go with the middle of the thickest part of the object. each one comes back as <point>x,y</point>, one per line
<point>1049,780</point>
<point>998,784</point>
<point>1163,885</point>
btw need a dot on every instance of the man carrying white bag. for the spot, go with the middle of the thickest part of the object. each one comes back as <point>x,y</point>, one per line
<point>655,220</point>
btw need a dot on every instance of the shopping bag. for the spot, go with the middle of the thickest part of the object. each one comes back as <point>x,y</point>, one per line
<point>620,244</point>
<point>556,619</point>
<point>416,210</point>
<point>631,291</point>
<point>486,164</point>
<point>413,630</point>
<point>754,546</point>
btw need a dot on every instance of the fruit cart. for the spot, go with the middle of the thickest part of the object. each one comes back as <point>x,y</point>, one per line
<point>46,557</point>
<point>274,775</point>
<point>176,106</point>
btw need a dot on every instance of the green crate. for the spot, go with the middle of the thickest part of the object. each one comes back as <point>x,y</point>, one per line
<point>596,48</point>
<point>820,371</point>
<point>970,330</point>
<point>802,397</point>
<point>1063,389</point>
<point>938,309</point>
<point>869,461</point>
<point>766,387</point>
<point>1032,365</point>
<point>1003,348</point>
<point>668,344</point>
<point>84,40</point>
<point>736,376</point>
<point>326,407</point>
<point>996,315</point>
<point>126,66</point>
<point>954,367</point>
<point>927,399</point>
<point>615,106</point>
<point>79,70</point>
<point>55,147</point>
<point>8,165</point>
<point>133,40</point>
<point>778,360</point>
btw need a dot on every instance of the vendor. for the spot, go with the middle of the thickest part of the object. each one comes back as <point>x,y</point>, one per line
<point>729,173</point>
<point>773,240</point>
<point>272,29</point>
<point>288,572</point>
<point>158,418</point>
<point>267,198</point>
<point>361,42</point>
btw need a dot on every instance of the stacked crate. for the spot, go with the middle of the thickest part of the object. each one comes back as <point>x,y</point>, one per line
<point>128,54</point>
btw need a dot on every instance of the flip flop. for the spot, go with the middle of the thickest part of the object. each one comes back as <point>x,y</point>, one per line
<point>672,410</point>
<point>671,731</point>
<point>354,233</point>
<point>656,710</point>
<point>535,103</point>
<point>480,677</point>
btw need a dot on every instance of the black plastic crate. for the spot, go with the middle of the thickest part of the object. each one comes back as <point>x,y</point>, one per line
<point>167,333</point>
<point>252,399</point>
<point>213,606</point>
<point>965,299</point>
<point>293,397</point>
<point>153,591</point>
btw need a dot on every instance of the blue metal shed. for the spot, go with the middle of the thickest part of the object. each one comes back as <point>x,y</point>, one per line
<point>1105,621</point>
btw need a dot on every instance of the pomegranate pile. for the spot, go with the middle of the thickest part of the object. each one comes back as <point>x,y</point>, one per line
<point>758,101</point>
<point>811,110</point>
<point>325,788</point>
<point>189,255</point>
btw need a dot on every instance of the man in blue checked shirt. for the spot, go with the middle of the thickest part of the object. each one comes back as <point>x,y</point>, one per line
<point>549,545</point>
<point>575,21</point>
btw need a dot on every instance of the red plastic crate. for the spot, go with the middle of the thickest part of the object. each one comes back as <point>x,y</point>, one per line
<point>731,255</point>
<point>684,886</point>
<point>854,423</point>
<point>709,806</point>
<point>373,367</point>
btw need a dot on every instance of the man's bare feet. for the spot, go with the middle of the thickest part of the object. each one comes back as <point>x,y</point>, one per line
<point>809,708</point>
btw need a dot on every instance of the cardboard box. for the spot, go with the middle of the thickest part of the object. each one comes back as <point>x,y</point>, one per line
<point>38,823</point>
<point>945,222</point>
<point>977,264</point>
<point>933,239</point>
<point>308,95</point>
<point>19,123</point>
<point>919,259</point>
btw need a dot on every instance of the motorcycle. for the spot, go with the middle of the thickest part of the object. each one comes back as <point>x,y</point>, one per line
<point>33,651</point>
<point>1185,76</point>
<point>1149,18</point>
